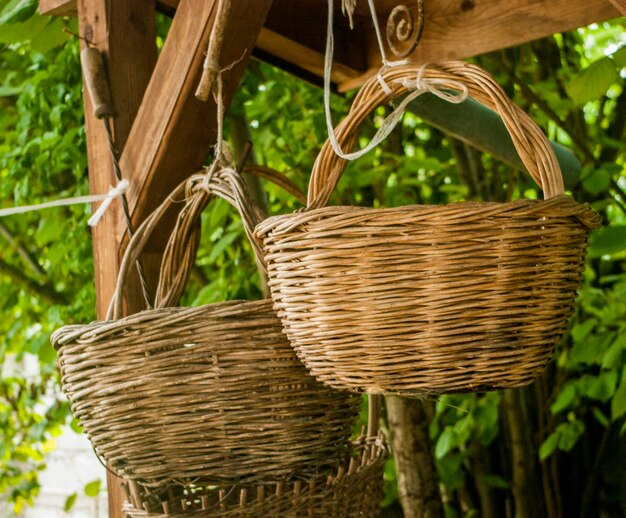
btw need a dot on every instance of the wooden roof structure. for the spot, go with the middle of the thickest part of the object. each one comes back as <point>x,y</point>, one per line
<point>165,134</point>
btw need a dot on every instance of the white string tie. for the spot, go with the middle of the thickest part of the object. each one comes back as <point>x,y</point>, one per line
<point>431,85</point>
<point>114,192</point>
<point>106,200</point>
<point>419,86</point>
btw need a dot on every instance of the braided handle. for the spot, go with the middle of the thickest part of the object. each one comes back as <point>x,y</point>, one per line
<point>531,144</point>
<point>180,252</point>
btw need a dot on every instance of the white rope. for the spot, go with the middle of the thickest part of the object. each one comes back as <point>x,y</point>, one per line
<point>113,193</point>
<point>106,200</point>
<point>420,85</point>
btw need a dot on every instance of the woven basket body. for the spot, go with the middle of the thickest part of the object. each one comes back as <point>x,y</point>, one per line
<point>429,299</point>
<point>212,394</point>
<point>354,490</point>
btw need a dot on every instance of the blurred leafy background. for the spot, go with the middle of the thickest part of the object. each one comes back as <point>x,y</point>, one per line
<point>555,448</point>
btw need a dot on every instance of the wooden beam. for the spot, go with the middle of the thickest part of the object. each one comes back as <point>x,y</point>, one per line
<point>124,31</point>
<point>620,5</point>
<point>306,58</point>
<point>456,30</point>
<point>70,7</point>
<point>58,7</point>
<point>173,132</point>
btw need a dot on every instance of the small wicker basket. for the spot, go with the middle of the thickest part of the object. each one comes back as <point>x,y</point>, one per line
<point>353,490</point>
<point>210,394</point>
<point>429,299</point>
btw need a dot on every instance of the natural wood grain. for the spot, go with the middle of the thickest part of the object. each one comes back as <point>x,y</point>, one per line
<point>455,29</point>
<point>58,7</point>
<point>173,132</point>
<point>620,5</point>
<point>116,28</point>
<point>306,58</point>
<point>460,30</point>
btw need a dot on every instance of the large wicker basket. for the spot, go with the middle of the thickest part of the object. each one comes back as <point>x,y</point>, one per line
<point>210,394</point>
<point>353,490</point>
<point>429,299</point>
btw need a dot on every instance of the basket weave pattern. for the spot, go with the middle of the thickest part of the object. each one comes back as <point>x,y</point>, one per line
<point>213,393</point>
<point>354,490</point>
<point>429,299</point>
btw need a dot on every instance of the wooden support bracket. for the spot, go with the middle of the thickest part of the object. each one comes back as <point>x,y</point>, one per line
<point>173,132</point>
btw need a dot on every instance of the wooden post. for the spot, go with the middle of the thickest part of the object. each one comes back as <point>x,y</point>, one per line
<point>170,132</point>
<point>173,132</point>
<point>124,31</point>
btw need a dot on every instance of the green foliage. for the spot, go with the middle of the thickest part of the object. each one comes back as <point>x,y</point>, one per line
<point>45,258</point>
<point>92,489</point>
<point>593,82</point>
<point>570,83</point>
<point>69,502</point>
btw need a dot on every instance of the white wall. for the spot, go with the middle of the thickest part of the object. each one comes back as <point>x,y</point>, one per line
<point>69,467</point>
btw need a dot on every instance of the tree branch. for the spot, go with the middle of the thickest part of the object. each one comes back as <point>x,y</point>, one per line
<point>530,94</point>
<point>616,128</point>
<point>22,251</point>
<point>417,479</point>
<point>45,291</point>
<point>525,487</point>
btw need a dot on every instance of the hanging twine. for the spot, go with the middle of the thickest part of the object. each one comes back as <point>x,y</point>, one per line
<point>347,8</point>
<point>106,199</point>
<point>97,86</point>
<point>420,85</point>
<point>211,67</point>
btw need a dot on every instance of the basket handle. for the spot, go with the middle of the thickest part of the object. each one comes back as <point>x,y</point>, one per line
<point>196,192</point>
<point>531,144</point>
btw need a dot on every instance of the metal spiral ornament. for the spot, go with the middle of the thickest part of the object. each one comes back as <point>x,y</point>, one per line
<point>403,32</point>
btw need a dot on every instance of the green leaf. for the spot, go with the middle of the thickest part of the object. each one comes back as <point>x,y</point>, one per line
<point>581,330</point>
<point>607,241</point>
<point>496,481</point>
<point>445,442</point>
<point>548,446</point>
<point>613,357</point>
<point>92,489</point>
<point>564,399</point>
<point>619,56</point>
<point>593,82</point>
<point>600,417</point>
<point>591,350</point>
<point>51,36</point>
<point>10,91</point>
<point>69,502</point>
<point>618,403</point>
<point>602,387</point>
<point>18,11</point>
<point>221,245</point>
<point>76,426</point>
<point>569,433</point>
<point>597,182</point>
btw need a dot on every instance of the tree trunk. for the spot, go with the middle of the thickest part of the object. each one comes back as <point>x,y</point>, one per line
<point>525,484</point>
<point>418,487</point>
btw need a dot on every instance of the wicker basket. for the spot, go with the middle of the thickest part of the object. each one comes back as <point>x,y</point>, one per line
<point>212,394</point>
<point>354,490</point>
<point>429,299</point>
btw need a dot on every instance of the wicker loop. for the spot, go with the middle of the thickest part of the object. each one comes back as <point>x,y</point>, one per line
<point>532,145</point>
<point>181,249</point>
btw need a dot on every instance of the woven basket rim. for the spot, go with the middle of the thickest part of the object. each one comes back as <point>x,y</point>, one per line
<point>70,332</point>
<point>563,203</point>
